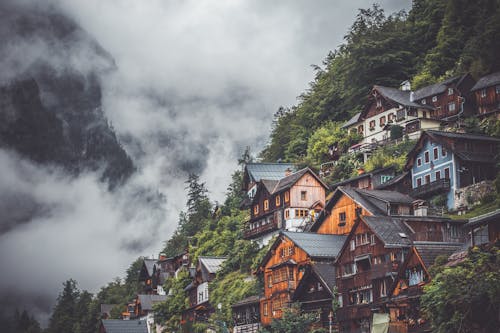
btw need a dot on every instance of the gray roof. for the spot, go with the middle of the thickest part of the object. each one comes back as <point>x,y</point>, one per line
<point>435,89</point>
<point>387,196</point>
<point>269,171</point>
<point>399,96</point>
<point>363,175</point>
<point>212,264</point>
<point>106,308</point>
<point>468,136</point>
<point>429,251</point>
<point>249,300</point>
<point>317,245</point>
<point>485,218</point>
<point>390,231</point>
<point>147,301</point>
<point>487,81</point>
<point>150,264</point>
<point>362,200</point>
<point>269,184</point>
<point>326,272</point>
<point>352,121</point>
<point>124,326</point>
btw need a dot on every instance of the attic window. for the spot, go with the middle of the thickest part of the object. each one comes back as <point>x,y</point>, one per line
<point>303,195</point>
<point>342,219</point>
<point>450,91</point>
<point>423,101</point>
<point>287,196</point>
<point>483,93</point>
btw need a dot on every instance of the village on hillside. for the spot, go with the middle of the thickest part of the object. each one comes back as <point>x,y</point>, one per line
<point>357,253</point>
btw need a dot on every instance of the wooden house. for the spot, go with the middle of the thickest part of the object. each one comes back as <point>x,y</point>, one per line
<point>286,263</point>
<point>285,204</point>
<point>315,291</point>
<point>487,95</point>
<point>371,259</point>
<point>347,203</point>
<point>198,290</point>
<point>253,173</point>
<point>368,180</point>
<point>449,98</point>
<point>246,315</point>
<point>403,305</point>
<point>443,162</point>
<point>144,304</point>
<point>483,229</point>
<point>149,276</point>
<point>389,107</point>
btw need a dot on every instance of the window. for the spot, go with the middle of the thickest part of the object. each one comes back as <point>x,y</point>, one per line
<point>450,91</point>
<point>419,161</point>
<point>427,179</point>
<point>436,153</point>
<point>256,209</point>
<point>278,200</point>
<point>451,106</point>
<point>372,125</point>
<point>362,239</point>
<point>352,246</point>
<point>434,98</point>
<point>424,114</point>
<point>266,309</point>
<point>419,181</point>
<point>497,89</point>
<point>379,103</point>
<point>423,101</point>
<point>266,204</point>
<point>269,281</point>
<point>382,121</point>
<point>438,175</point>
<point>287,196</point>
<point>287,214</point>
<point>483,93</point>
<point>342,219</point>
<point>360,129</point>
<point>372,239</point>
<point>390,117</point>
<point>349,269</point>
<point>447,173</point>
<point>385,178</point>
<point>383,288</point>
<point>426,157</point>
<point>443,152</point>
<point>303,195</point>
<point>301,212</point>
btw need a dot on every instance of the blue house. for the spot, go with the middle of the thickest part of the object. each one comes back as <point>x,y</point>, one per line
<point>442,162</point>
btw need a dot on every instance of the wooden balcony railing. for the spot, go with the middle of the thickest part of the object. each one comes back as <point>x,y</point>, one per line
<point>251,233</point>
<point>437,186</point>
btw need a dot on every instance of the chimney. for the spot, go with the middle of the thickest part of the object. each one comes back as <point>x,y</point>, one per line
<point>288,172</point>
<point>361,171</point>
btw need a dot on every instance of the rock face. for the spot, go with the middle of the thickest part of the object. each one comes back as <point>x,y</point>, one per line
<point>50,95</point>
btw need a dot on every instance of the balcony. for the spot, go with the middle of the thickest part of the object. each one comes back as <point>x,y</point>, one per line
<point>262,229</point>
<point>435,187</point>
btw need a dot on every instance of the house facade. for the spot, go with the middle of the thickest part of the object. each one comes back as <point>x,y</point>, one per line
<point>443,162</point>
<point>286,204</point>
<point>487,95</point>
<point>286,263</point>
<point>246,315</point>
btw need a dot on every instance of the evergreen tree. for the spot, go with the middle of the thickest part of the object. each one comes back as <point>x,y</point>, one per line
<point>64,315</point>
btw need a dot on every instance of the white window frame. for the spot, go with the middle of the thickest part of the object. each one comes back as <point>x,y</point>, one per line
<point>435,152</point>
<point>450,106</point>
<point>434,98</point>
<point>483,93</point>
<point>450,91</point>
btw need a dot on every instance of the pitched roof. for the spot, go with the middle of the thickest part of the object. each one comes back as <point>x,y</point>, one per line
<point>437,88</point>
<point>150,264</point>
<point>429,251</point>
<point>269,171</point>
<point>352,121</point>
<point>399,96</point>
<point>288,181</point>
<point>392,181</point>
<point>487,81</point>
<point>147,301</point>
<point>392,232</point>
<point>317,245</point>
<point>124,326</point>
<point>212,264</point>
<point>249,300</point>
<point>269,184</point>
<point>387,196</point>
<point>363,175</point>
<point>326,272</point>
<point>469,136</point>
<point>482,219</point>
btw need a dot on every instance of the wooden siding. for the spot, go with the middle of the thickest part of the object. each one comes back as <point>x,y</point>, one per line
<point>489,103</point>
<point>286,286</point>
<point>331,223</point>
<point>313,188</point>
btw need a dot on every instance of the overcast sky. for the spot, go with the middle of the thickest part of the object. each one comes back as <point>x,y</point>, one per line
<point>196,82</point>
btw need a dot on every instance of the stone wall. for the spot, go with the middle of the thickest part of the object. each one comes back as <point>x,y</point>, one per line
<point>472,194</point>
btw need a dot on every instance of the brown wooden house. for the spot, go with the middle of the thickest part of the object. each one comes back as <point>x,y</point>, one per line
<point>368,180</point>
<point>404,303</point>
<point>487,95</point>
<point>288,203</point>
<point>200,307</point>
<point>371,259</point>
<point>347,203</point>
<point>449,98</point>
<point>315,291</point>
<point>246,315</point>
<point>149,276</point>
<point>286,263</point>
<point>483,229</point>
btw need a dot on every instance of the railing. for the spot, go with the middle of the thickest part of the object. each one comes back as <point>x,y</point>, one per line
<point>437,186</point>
<point>250,233</point>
